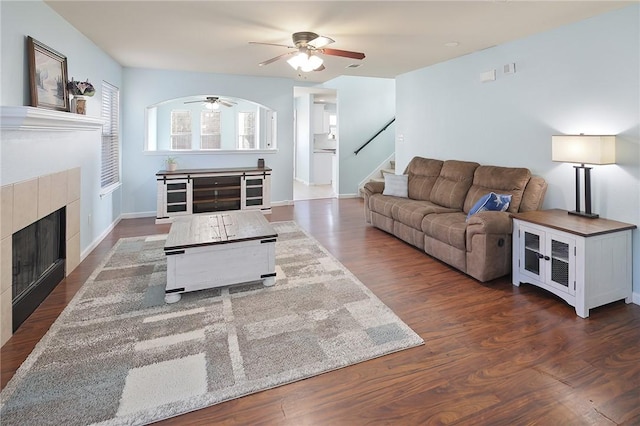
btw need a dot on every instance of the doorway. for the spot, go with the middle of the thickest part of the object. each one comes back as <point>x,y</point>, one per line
<point>316,143</point>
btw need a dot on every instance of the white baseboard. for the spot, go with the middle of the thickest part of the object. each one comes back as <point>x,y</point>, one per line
<point>635,298</point>
<point>348,196</point>
<point>137,215</point>
<point>99,239</point>
<point>282,203</point>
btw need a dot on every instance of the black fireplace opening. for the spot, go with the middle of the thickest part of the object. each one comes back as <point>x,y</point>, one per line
<point>38,263</point>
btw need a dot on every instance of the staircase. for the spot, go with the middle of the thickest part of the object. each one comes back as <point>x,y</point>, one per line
<point>378,175</point>
<point>391,170</point>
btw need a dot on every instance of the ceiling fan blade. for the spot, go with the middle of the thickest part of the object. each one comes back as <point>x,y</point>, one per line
<point>226,103</point>
<point>193,102</point>
<point>272,44</point>
<point>344,53</point>
<point>269,61</point>
<point>320,41</point>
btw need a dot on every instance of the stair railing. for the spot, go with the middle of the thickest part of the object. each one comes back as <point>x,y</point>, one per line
<point>374,136</point>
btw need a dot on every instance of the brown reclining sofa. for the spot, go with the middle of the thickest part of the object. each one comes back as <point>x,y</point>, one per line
<point>434,215</point>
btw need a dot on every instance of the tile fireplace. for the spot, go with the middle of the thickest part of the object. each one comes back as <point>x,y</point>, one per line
<point>24,203</point>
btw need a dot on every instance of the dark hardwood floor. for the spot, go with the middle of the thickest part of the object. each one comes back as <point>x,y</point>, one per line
<point>494,354</point>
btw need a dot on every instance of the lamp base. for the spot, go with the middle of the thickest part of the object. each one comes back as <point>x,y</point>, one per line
<point>584,214</point>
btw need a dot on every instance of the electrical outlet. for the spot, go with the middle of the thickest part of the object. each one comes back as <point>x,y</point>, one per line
<point>488,76</point>
<point>510,68</point>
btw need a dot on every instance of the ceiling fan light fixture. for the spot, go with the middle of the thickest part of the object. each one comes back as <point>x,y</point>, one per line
<point>212,105</point>
<point>314,62</point>
<point>305,62</point>
<point>297,60</point>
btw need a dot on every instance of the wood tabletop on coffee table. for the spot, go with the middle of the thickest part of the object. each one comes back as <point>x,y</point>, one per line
<point>220,228</point>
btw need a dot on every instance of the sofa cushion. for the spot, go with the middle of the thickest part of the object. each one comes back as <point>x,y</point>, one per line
<point>395,185</point>
<point>382,204</point>
<point>412,212</point>
<point>450,228</point>
<point>501,180</point>
<point>491,202</point>
<point>450,189</point>
<point>423,173</point>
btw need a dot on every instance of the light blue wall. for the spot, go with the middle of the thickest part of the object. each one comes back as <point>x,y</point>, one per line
<point>144,87</point>
<point>580,78</point>
<point>364,106</point>
<point>51,152</point>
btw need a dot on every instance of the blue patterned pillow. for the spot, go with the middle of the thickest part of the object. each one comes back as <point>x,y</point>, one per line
<point>490,202</point>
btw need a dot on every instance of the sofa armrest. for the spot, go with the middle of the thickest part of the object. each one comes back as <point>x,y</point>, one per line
<point>488,222</point>
<point>370,188</point>
<point>373,187</point>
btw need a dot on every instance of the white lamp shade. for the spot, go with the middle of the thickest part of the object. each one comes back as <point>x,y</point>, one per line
<point>583,149</point>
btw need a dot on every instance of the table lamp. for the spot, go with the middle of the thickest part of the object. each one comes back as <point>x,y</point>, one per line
<point>583,149</point>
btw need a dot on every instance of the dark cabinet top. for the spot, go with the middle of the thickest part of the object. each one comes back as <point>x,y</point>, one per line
<point>582,226</point>
<point>226,170</point>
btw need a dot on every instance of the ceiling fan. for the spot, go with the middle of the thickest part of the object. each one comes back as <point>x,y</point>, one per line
<point>214,102</point>
<point>307,46</point>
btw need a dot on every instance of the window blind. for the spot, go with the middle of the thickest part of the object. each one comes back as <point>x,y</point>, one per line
<point>210,137</point>
<point>180,129</point>
<point>110,162</point>
<point>246,130</point>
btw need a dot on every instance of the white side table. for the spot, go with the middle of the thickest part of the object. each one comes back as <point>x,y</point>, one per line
<point>586,262</point>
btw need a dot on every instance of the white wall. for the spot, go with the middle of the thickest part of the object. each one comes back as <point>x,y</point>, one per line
<point>24,156</point>
<point>364,106</point>
<point>144,87</point>
<point>304,134</point>
<point>580,78</point>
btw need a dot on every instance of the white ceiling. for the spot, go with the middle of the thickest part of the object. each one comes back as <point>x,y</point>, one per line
<point>396,36</point>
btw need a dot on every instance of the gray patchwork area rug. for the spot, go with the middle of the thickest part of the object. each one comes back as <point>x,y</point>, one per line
<point>119,355</point>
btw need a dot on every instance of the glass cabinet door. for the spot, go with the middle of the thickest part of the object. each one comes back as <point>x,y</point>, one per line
<point>177,197</point>
<point>532,256</point>
<point>560,271</point>
<point>254,192</point>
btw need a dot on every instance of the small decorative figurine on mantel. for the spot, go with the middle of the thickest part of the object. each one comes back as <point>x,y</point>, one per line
<point>80,90</point>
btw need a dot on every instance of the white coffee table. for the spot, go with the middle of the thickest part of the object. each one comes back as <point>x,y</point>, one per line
<point>218,250</point>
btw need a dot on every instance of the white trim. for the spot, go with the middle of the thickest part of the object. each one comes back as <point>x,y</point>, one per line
<point>98,240</point>
<point>137,215</point>
<point>376,171</point>
<point>635,298</point>
<point>177,152</point>
<point>31,118</point>
<point>282,203</point>
<point>348,196</point>
<point>109,189</point>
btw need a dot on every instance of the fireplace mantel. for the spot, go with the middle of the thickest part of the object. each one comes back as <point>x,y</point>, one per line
<point>31,118</point>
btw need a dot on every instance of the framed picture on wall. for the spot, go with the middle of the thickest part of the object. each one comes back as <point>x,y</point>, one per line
<point>47,77</point>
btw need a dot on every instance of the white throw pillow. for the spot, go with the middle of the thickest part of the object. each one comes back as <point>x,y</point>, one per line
<point>396,185</point>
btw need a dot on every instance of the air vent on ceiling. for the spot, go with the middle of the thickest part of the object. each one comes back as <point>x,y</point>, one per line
<point>353,65</point>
